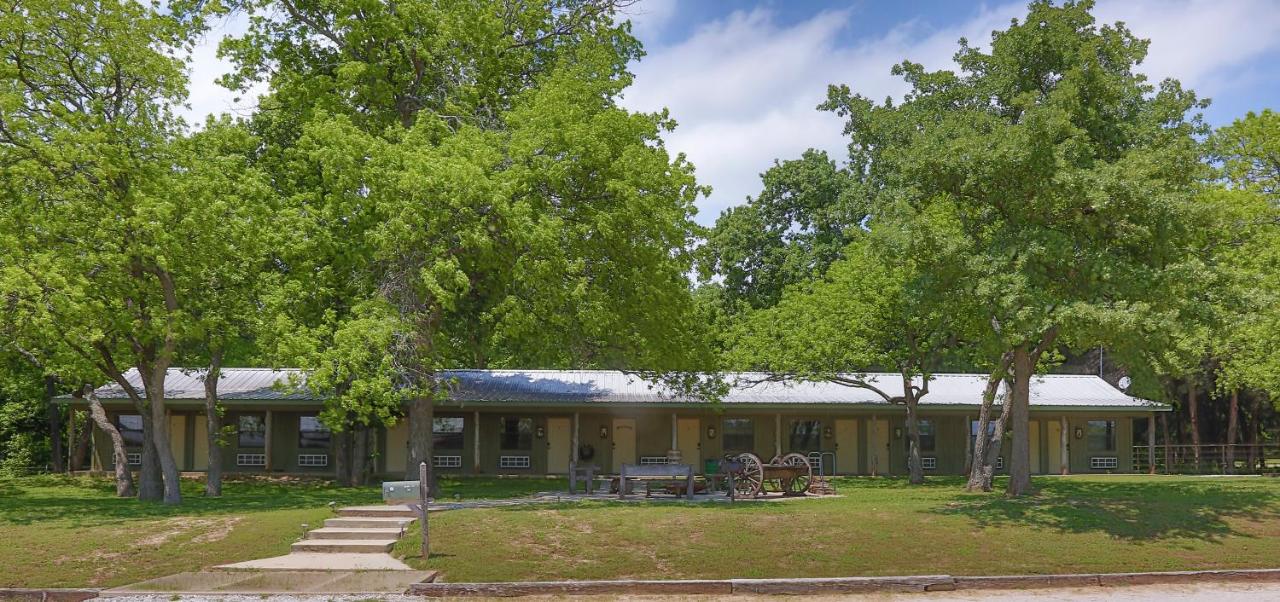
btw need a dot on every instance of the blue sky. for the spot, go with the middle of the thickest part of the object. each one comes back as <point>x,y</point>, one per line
<point>742,78</point>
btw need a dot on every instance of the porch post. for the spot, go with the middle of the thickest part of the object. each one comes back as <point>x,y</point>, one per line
<point>71,441</point>
<point>576,439</point>
<point>266,443</point>
<point>777,434</point>
<point>874,457</point>
<point>1065,436</point>
<point>968,445</point>
<point>475,445</point>
<point>674,439</point>
<point>1151,444</point>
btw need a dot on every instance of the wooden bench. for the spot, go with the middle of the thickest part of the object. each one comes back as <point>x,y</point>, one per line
<point>583,472</point>
<point>656,472</point>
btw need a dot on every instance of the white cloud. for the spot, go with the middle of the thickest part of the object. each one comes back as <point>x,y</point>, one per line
<point>648,18</point>
<point>206,96</point>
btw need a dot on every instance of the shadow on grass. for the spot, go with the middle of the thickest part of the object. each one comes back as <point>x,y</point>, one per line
<point>1136,511</point>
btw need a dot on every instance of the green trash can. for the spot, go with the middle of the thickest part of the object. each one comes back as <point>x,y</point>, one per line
<point>711,466</point>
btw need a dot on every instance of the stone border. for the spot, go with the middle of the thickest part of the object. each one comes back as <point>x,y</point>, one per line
<point>835,585</point>
<point>48,595</point>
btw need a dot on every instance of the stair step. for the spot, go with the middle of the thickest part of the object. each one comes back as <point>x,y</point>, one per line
<point>349,533</point>
<point>378,511</point>
<point>368,522</point>
<point>364,546</point>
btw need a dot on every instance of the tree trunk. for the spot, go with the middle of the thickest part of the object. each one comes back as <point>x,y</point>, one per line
<point>1233,426</point>
<point>342,456</point>
<point>1193,413</point>
<point>916,471</point>
<point>359,455</point>
<point>213,425</point>
<point>1168,443</point>
<point>80,447</point>
<point>1258,457</point>
<point>124,478</point>
<point>160,436</point>
<point>421,412</point>
<point>53,417</point>
<point>150,480</point>
<point>1020,413</point>
<point>980,470</point>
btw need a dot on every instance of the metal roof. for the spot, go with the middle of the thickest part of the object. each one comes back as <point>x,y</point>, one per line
<point>592,387</point>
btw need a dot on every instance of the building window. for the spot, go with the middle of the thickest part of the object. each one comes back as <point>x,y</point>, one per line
<point>253,430</point>
<point>738,435</point>
<point>312,434</point>
<point>928,436</point>
<point>806,435</point>
<point>516,434</point>
<point>1102,435</point>
<point>446,432</point>
<point>130,426</point>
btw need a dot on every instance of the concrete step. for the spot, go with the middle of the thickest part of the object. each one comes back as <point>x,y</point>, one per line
<point>345,533</point>
<point>378,511</point>
<point>368,522</point>
<point>340,546</point>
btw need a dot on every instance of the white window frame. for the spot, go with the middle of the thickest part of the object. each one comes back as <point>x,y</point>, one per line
<point>446,461</point>
<point>1104,463</point>
<point>654,460</point>
<point>313,460</point>
<point>514,462</point>
<point>928,463</point>
<point>133,458</point>
<point>259,460</point>
<point>999,462</point>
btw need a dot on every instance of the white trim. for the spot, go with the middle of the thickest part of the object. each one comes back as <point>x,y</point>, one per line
<point>251,460</point>
<point>313,460</point>
<point>929,462</point>
<point>999,462</point>
<point>514,462</point>
<point>1104,463</point>
<point>133,458</point>
<point>446,461</point>
<point>654,460</point>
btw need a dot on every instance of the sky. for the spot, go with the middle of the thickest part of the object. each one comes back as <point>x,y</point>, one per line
<point>743,78</point>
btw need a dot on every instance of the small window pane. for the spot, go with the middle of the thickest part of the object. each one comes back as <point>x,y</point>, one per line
<point>1102,435</point>
<point>806,436</point>
<point>517,434</point>
<point>446,432</point>
<point>739,435</point>
<point>312,434</point>
<point>928,436</point>
<point>130,426</point>
<point>253,430</point>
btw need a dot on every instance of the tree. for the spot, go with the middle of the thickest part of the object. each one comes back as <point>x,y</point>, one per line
<point>1072,177</point>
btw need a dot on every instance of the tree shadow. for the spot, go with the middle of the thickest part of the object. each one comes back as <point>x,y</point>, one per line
<point>1137,511</point>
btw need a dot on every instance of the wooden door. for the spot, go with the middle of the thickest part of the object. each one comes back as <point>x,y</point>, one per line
<point>688,441</point>
<point>624,442</point>
<point>200,450</point>
<point>1035,447</point>
<point>878,447</point>
<point>559,442</point>
<point>178,439</point>
<point>1055,446</point>
<point>398,447</point>
<point>846,447</point>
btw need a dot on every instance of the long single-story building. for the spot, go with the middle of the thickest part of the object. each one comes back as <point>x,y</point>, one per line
<point>531,421</point>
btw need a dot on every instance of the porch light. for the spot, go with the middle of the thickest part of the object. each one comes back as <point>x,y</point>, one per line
<point>711,432</point>
<point>897,432</point>
<point>1079,433</point>
<point>826,432</point>
<point>540,432</point>
<point>604,432</point>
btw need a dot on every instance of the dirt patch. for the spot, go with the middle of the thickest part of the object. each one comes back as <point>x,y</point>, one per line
<point>218,529</point>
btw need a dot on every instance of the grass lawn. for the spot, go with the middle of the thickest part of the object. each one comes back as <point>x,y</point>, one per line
<point>59,531</point>
<point>877,527</point>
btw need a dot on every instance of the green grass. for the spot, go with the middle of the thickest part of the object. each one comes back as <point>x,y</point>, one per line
<point>877,527</point>
<point>59,531</point>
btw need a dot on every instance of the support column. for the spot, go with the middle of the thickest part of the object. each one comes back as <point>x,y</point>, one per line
<point>1151,444</point>
<point>1065,450</point>
<point>873,444</point>
<point>71,440</point>
<point>675,441</point>
<point>777,434</point>
<point>475,445</point>
<point>266,443</point>
<point>968,445</point>
<point>577,440</point>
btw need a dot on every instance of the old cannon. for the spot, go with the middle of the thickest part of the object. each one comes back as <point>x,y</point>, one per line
<point>790,474</point>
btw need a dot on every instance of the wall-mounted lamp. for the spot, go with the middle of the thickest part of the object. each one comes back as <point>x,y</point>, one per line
<point>826,432</point>
<point>711,432</point>
<point>604,432</point>
<point>1079,433</point>
<point>540,432</point>
<point>897,432</point>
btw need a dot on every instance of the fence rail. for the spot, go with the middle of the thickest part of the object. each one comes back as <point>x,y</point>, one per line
<point>1208,459</point>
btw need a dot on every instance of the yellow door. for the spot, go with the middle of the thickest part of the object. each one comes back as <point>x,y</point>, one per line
<point>559,442</point>
<point>178,439</point>
<point>846,447</point>
<point>878,447</point>
<point>624,442</point>
<point>688,441</point>
<point>200,450</point>
<point>1035,448</point>
<point>1055,447</point>
<point>398,447</point>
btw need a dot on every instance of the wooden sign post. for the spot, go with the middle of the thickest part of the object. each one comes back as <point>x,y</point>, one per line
<point>424,496</point>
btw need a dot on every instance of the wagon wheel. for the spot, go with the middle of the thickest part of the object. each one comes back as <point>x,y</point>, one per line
<point>751,480</point>
<point>800,483</point>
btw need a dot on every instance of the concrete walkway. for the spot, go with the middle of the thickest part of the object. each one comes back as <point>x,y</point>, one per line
<point>358,539</point>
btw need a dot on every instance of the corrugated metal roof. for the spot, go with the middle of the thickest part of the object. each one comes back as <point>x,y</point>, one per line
<point>615,387</point>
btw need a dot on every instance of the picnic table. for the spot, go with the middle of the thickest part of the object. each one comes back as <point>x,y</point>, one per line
<point>677,473</point>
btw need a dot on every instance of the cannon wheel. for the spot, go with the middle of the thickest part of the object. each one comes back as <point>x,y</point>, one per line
<point>751,480</point>
<point>800,484</point>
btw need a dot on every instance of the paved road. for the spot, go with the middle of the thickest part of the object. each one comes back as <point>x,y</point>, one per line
<point>1226,592</point>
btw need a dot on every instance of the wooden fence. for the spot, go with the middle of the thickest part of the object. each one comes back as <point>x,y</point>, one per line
<point>1209,459</point>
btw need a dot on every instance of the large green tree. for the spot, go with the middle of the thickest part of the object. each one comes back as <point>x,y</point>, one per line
<point>1073,177</point>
